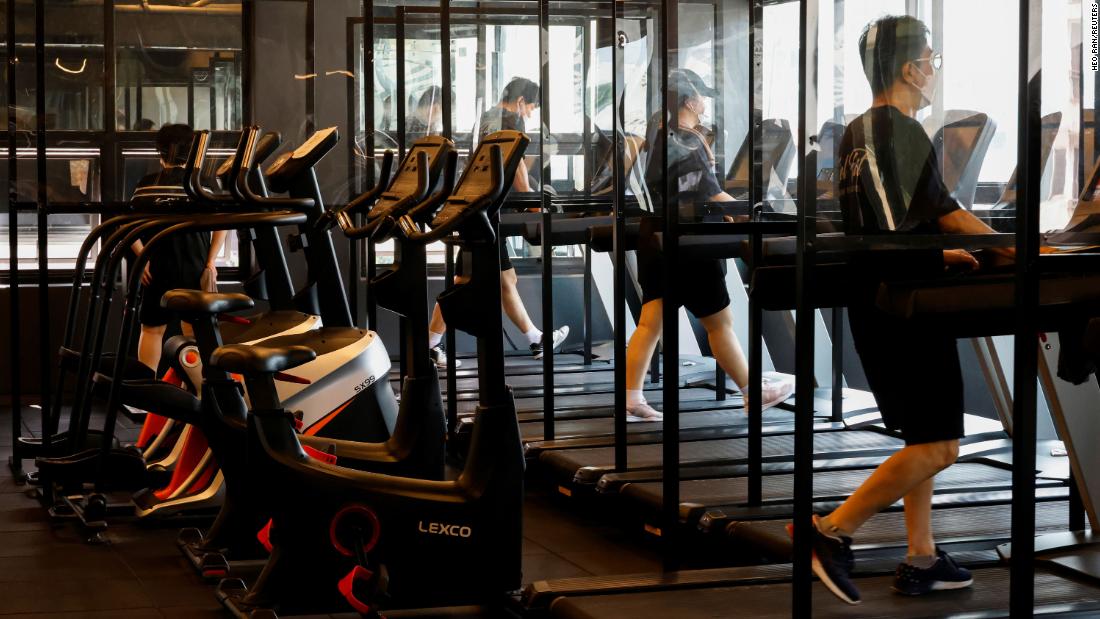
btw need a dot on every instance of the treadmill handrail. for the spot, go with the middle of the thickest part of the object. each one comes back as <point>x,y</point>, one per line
<point>477,206</point>
<point>369,197</point>
<point>244,165</point>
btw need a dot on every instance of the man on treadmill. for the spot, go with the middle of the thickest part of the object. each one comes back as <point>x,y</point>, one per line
<point>889,182</point>
<point>517,103</point>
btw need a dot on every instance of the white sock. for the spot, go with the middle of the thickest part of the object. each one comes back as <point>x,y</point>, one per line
<point>534,336</point>
<point>434,338</point>
<point>634,397</point>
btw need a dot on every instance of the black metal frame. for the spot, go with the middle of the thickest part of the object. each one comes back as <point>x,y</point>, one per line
<point>110,141</point>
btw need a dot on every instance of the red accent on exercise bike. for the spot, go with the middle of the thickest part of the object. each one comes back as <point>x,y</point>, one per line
<point>346,586</point>
<point>317,454</point>
<point>154,424</point>
<point>264,536</point>
<point>237,320</point>
<point>193,451</point>
<point>348,512</point>
<point>320,425</point>
<point>290,378</point>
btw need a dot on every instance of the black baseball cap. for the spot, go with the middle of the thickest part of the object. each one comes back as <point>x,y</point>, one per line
<point>687,82</point>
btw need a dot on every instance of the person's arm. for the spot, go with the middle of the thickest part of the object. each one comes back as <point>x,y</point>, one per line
<point>217,241</point>
<point>522,182</point>
<point>962,221</point>
<point>146,273</point>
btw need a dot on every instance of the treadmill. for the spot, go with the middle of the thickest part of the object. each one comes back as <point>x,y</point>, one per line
<point>715,443</point>
<point>589,422</point>
<point>714,496</point>
<point>980,304</point>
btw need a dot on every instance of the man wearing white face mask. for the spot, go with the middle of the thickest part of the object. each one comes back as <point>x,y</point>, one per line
<point>890,182</point>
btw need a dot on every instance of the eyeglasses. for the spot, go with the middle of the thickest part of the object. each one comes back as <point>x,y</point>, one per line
<point>936,60</point>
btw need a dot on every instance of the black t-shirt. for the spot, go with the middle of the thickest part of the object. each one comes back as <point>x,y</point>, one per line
<point>180,260</point>
<point>890,182</point>
<point>889,179</point>
<point>497,118</point>
<point>690,164</point>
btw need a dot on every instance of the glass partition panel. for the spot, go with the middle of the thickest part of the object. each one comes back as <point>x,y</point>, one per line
<point>173,69</point>
<point>423,85</point>
<point>74,65</point>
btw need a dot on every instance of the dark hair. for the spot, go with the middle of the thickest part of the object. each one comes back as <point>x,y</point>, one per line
<point>887,44</point>
<point>433,95</point>
<point>520,87</point>
<point>145,125</point>
<point>174,142</point>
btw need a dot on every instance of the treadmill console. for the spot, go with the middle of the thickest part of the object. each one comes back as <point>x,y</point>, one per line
<point>292,163</point>
<point>477,180</point>
<point>404,183</point>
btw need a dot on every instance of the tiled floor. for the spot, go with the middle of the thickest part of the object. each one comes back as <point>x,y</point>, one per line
<point>47,570</point>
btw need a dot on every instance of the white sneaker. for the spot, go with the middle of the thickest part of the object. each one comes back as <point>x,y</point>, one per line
<point>642,412</point>
<point>439,357</point>
<point>559,339</point>
<point>772,394</point>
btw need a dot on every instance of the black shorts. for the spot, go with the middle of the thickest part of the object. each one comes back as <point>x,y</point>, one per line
<point>505,261</point>
<point>702,282</point>
<point>914,374</point>
<point>152,314</point>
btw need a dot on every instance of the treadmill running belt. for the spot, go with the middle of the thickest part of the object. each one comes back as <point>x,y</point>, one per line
<point>827,484</point>
<point>605,426</point>
<point>989,593</point>
<point>949,523</point>
<point>526,405</point>
<point>568,461</point>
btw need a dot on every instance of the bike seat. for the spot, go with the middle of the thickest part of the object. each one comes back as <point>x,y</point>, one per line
<point>252,360</point>
<point>197,302</point>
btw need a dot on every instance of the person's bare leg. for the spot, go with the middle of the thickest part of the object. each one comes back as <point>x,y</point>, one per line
<point>512,303</point>
<point>725,347</point>
<point>897,477</point>
<point>642,343</point>
<point>918,519</point>
<point>437,325</point>
<point>639,351</point>
<point>150,344</point>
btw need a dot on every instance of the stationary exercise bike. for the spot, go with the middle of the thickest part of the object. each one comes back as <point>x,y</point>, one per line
<point>343,536</point>
<point>416,447</point>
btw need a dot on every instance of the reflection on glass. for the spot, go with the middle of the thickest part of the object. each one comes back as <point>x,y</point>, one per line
<point>178,67</point>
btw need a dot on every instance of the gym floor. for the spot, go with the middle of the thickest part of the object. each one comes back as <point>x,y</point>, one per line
<point>47,570</point>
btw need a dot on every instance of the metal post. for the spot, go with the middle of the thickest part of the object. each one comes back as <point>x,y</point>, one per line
<point>248,58</point>
<point>445,65</point>
<point>756,192</point>
<point>619,238</point>
<point>1025,355</point>
<point>588,304</point>
<point>547,223</point>
<point>838,365</point>
<point>45,365</point>
<point>448,259</point>
<point>369,130</point>
<point>399,104</point>
<point>15,348</point>
<point>354,179</point>
<point>802,588</point>
<point>671,307</point>
<point>311,67</point>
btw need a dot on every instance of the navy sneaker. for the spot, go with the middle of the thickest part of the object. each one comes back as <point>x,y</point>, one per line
<point>833,562</point>
<point>944,575</point>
